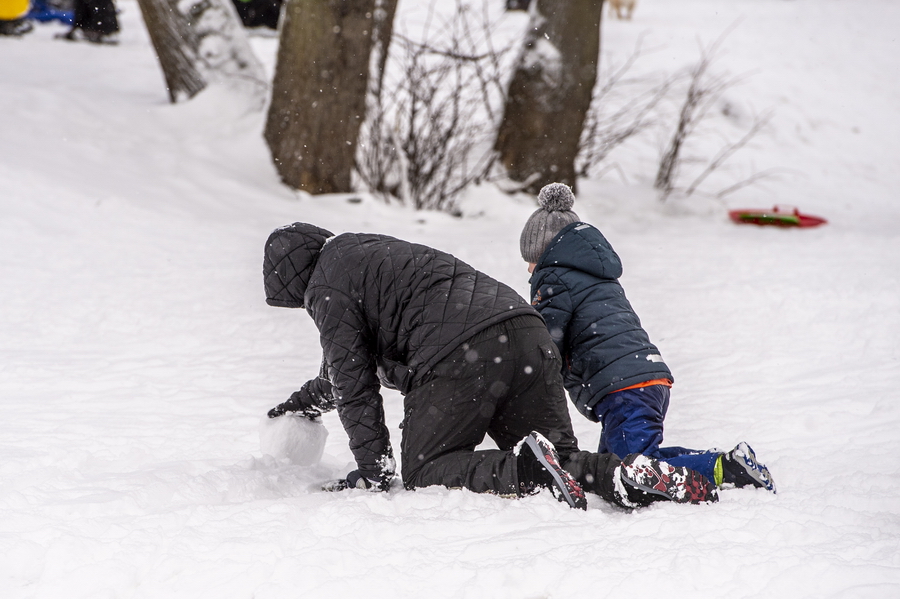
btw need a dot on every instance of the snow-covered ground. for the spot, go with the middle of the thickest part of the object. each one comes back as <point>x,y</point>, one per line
<point>139,357</point>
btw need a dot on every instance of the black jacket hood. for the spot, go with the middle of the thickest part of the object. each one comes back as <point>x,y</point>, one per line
<point>290,257</point>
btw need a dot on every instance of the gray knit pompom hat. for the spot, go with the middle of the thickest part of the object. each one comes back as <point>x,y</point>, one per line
<point>556,200</point>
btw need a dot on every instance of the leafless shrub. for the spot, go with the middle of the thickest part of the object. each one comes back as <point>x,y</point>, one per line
<point>725,153</point>
<point>753,179</point>
<point>431,138</point>
<point>704,91</point>
<point>604,131</point>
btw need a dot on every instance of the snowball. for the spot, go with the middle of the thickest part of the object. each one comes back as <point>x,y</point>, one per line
<point>300,440</point>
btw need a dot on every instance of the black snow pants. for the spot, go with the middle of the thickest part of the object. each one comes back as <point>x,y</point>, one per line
<point>504,382</point>
<point>96,15</point>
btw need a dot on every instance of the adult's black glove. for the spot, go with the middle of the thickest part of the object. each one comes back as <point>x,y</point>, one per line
<point>313,399</point>
<point>355,480</point>
<point>294,405</point>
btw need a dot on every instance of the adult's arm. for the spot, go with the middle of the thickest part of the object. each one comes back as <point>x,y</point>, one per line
<point>351,367</point>
<point>313,399</point>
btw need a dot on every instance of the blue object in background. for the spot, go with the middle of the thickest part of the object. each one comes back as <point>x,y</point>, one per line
<point>44,12</point>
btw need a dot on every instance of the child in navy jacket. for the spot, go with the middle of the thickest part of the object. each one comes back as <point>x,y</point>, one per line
<point>613,373</point>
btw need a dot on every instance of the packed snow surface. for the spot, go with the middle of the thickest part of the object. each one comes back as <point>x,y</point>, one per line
<point>138,354</point>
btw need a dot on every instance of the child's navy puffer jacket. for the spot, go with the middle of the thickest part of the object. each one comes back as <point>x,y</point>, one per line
<point>575,287</point>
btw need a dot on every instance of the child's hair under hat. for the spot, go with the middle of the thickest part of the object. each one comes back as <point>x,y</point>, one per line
<point>556,200</point>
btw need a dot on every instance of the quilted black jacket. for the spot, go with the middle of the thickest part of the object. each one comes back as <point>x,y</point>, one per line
<point>387,311</point>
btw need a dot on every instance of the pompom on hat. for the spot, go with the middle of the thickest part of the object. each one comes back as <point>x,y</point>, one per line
<point>556,200</point>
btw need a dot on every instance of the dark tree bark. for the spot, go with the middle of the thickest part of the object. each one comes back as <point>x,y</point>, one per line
<point>198,42</point>
<point>550,93</point>
<point>322,76</point>
<point>175,45</point>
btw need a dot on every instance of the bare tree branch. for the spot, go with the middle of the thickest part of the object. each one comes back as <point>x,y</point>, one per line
<point>431,139</point>
<point>752,180</point>
<point>602,134</point>
<point>725,153</point>
<point>702,93</point>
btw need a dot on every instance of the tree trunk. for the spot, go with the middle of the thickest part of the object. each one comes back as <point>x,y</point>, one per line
<point>550,93</point>
<point>322,76</point>
<point>198,42</point>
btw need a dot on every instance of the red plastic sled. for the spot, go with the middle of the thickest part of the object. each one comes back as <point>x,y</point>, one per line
<point>779,216</point>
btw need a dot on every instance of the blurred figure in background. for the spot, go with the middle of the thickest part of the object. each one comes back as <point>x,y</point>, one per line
<point>44,11</point>
<point>95,22</point>
<point>12,17</point>
<point>259,13</point>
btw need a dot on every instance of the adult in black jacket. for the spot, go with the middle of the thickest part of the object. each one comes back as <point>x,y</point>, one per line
<point>470,356</point>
